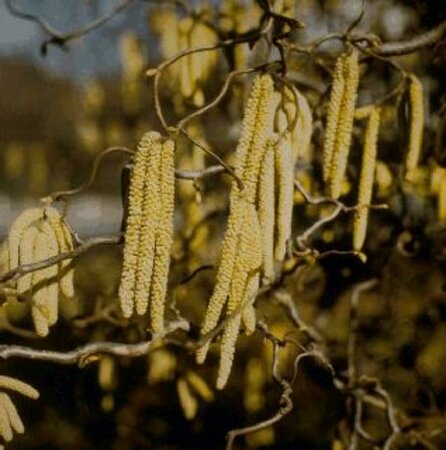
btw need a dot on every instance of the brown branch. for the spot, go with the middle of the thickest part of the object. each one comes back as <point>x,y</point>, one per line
<point>81,354</point>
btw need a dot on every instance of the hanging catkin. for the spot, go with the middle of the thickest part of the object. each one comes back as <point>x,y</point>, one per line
<point>149,229</point>
<point>285,175</point>
<point>416,125</point>
<point>267,208</point>
<point>340,121</point>
<point>366,179</point>
<point>235,263</point>
<point>36,235</point>
<point>334,108</point>
<point>345,124</point>
<point>9,418</point>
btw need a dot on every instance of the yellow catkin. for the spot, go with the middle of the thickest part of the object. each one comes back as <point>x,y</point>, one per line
<point>11,411</point>
<point>249,258</point>
<point>267,209</point>
<point>441,207</point>
<point>13,384</point>
<point>134,225</point>
<point>65,244</point>
<point>45,288</point>
<point>162,366</point>
<point>295,122</point>
<point>107,373</point>
<point>199,386</point>
<point>27,243</point>
<point>345,124</point>
<point>164,238</point>
<point>366,179</point>
<point>249,312</point>
<point>5,426</point>
<point>256,124</point>
<point>188,402</point>
<point>19,226</point>
<point>223,282</point>
<point>416,125</point>
<point>149,222</point>
<point>249,154</point>
<point>284,214</point>
<point>333,113</point>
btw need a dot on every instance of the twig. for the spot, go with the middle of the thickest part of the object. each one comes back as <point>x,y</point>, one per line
<point>27,268</point>
<point>82,354</point>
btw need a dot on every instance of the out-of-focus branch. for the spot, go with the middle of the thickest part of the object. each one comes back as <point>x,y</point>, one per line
<point>58,38</point>
<point>81,355</point>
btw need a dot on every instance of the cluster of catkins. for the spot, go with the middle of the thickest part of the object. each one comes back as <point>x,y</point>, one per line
<point>338,136</point>
<point>276,129</point>
<point>9,417</point>
<point>35,236</point>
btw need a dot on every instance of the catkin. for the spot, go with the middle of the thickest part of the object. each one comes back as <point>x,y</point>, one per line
<point>333,114</point>
<point>5,426</point>
<point>188,402</point>
<point>13,384</point>
<point>416,125</point>
<point>20,225</point>
<point>200,386</point>
<point>149,220</point>
<point>249,259</point>
<point>285,175</point>
<point>164,238</point>
<point>149,230</point>
<point>26,256</point>
<point>249,312</point>
<point>11,411</point>
<point>345,124</point>
<point>65,244</point>
<point>267,209</point>
<point>134,223</point>
<point>45,287</point>
<point>442,199</point>
<point>366,179</point>
<point>249,155</point>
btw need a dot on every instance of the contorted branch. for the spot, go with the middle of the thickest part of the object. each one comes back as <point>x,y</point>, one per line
<point>80,355</point>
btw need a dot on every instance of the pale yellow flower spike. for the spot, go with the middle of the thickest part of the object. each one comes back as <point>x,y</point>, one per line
<point>284,213</point>
<point>249,312</point>
<point>45,283</point>
<point>23,221</point>
<point>345,124</point>
<point>13,416</point>
<point>223,282</point>
<point>200,386</point>
<point>188,402</point>
<point>301,138</point>
<point>5,426</point>
<point>149,222</point>
<point>13,384</point>
<point>442,199</point>
<point>366,179</point>
<point>249,153</point>
<point>65,243</point>
<point>164,237</point>
<point>416,125</point>
<point>267,209</point>
<point>334,109</point>
<point>249,259</point>
<point>256,121</point>
<point>134,224</point>
<point>27,243</point>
